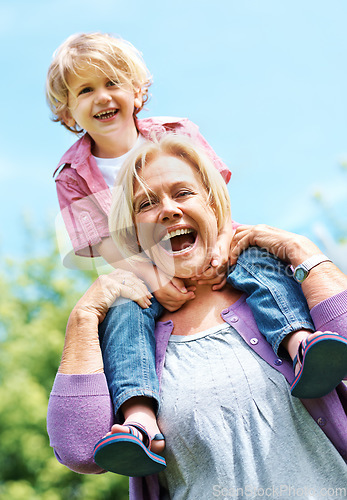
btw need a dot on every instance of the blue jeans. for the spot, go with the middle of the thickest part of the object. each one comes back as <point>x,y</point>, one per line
<point>128,348</point>
<point>127,333</point>
<point>277,302</point>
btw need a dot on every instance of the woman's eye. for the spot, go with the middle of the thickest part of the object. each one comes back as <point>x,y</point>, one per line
<point>145,204</point>
<point>186,192</point>
<point>86,90</point>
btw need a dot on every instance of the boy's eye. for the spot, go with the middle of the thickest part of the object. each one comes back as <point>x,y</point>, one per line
<point>86,90</point>
<point>113,83</point>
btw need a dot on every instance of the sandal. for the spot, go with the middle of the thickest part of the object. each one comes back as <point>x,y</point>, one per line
<point>127,454</point>
<point>323,365</point>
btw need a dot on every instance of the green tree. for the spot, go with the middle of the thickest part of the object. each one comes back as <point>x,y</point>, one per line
<point>36,297</point>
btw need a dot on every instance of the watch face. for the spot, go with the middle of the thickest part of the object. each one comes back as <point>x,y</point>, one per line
<point>300,275</point>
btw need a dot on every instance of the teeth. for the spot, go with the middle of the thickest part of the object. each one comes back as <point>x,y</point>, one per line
<point>106,114</point>
<point>177,232</point>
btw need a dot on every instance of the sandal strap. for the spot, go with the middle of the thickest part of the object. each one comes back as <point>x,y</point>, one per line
<point>302,346</point>
<point>300,354</point>
<point>295,360</point>
<point>138,429</point>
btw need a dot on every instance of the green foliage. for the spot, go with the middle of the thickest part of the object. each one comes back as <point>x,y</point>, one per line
<point>36,297</point>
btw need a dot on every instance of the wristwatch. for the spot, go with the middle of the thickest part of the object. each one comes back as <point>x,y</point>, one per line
<point>302,270</point>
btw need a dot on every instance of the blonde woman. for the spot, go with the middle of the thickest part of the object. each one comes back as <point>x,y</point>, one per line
<point>225,406</point>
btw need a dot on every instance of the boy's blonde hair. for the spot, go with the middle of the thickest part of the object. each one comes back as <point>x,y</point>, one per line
<point>116,57</point>
<point>121,217</point>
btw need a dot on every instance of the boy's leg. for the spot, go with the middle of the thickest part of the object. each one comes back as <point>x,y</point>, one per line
<point>276,299</point>
<point>128,348</point>
<point>282,315</point>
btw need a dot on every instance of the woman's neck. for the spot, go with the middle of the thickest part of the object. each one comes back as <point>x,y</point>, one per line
<point>204,311</point>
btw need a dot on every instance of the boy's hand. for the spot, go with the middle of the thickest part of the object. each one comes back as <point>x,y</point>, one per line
<point>216,273</point>
<point>169,291</point>
<point>174,294</point>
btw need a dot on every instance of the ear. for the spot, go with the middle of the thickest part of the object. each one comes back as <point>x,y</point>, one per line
<point>68,119</point>
<point>138,98</point>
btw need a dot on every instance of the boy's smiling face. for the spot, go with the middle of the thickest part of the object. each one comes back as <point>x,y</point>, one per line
<point>104,109</point>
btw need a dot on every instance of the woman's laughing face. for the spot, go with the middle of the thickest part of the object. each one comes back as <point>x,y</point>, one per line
<point>175,222</point>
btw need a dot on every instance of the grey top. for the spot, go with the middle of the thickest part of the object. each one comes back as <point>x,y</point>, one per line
<point>230,423</point>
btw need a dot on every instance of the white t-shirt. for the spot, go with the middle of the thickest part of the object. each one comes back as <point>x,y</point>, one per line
<point>109,167</point>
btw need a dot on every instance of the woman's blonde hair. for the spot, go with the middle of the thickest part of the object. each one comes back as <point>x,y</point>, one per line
<point>115,57</point>
<point>121,217</point>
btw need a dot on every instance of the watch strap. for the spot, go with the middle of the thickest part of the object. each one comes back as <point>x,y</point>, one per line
<point>310,263</point>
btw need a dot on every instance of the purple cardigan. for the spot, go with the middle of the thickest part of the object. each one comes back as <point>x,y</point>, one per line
<point>80,410</point>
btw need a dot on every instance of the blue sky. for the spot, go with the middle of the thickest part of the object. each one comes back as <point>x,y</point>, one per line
<point>265,80</point>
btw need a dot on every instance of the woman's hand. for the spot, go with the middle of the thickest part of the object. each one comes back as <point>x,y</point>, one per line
<point>107,288</point>
<point>290,247</point>
<point>82,353</point>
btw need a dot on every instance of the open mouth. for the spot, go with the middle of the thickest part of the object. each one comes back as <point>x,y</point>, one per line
<point>179,240</point>
<point>106,115</point>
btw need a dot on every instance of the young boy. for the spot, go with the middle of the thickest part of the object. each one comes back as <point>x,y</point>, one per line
<point>96,85</point>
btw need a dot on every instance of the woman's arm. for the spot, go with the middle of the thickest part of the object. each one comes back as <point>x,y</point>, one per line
<point>79,413</point>
<point>80,410</point>
<point>81,353</point>
<point>331,314</point>
<point>324,281</point>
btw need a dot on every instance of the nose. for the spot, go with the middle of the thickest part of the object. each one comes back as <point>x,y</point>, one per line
<point>170,210</point>
<point>102,96</point>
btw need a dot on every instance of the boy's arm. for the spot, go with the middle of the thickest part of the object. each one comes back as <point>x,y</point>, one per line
<point>84,220</point>
<point>169,291</point>
<point>216,274</point>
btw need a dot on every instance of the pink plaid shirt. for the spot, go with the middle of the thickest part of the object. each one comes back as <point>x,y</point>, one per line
<point>83,194</point>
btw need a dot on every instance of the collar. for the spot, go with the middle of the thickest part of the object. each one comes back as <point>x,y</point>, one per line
<point>76,154</point>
